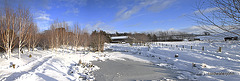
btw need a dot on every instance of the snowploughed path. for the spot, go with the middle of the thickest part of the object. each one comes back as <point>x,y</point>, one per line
<point>28,69</point>
<point>45,66</point>
<point>22,66</point>
<point>61,67</point>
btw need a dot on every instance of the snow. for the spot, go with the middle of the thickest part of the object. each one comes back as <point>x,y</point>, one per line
<point>61,64</point>
<point>192,64</point>
<point>206,61</point>
<point>119,37</point>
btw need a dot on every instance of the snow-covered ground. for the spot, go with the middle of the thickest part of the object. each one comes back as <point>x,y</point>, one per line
<point>47,65</point>
<point>192,64</point>
<point>202,62</point>
<point>60,65</point>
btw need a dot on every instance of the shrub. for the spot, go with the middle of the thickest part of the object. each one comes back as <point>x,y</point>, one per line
<point>194,65</point>
<point>79,62</point>
<point>176,55</point>
<point>12,65</point>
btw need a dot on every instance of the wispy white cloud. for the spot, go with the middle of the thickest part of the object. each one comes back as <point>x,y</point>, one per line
<point>100,25</point>
<point>42,15</point>
<point>200,30</point>
<point>160,5</point>
<point>151,5</point>
<point>171,29</point>
<point>193,29</point>
<point>43,20</point>
<point>207,10</point>
<point>190,30</point>
<point>43,25</point>
<point>120,12</point>
<point>70,23</point>
<point>125,14</point>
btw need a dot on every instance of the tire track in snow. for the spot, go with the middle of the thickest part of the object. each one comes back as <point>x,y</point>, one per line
<point>19,74</point>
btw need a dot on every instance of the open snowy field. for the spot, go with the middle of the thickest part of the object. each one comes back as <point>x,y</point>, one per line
<point>203,62</point>
<point>193,64</point>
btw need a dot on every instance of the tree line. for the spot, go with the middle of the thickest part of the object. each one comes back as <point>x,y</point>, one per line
<point>18,30</point>
<point>149,36</point>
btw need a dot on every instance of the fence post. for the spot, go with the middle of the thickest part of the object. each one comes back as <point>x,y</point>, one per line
<point>191,47</point>
<point>183,46</point>
<point>148,47</point>
<point>220,49</point>
<point>203,48</point>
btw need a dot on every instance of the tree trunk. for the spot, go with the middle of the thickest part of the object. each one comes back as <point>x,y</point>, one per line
<point>8,54</point>
<point>7,45</point>
<point>28,48</point>
<point>76,50</point>
<point>19,51</point>
<point>9,51</point>
<point>44,47</point>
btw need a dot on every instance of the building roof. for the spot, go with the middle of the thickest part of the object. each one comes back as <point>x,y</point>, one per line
<point>119,37</point>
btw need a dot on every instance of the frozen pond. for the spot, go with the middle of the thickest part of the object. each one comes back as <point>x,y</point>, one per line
<point>131,70</point>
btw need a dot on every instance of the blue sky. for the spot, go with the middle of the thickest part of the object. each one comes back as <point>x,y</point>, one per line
<point>114,15</point>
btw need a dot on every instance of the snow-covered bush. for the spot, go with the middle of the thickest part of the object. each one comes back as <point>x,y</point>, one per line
<point>176,55</point>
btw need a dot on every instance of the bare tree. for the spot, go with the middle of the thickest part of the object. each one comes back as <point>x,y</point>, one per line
<point>140,37</point>
<point>221,15</point>
<point>57,33</point>
<point>69,36</point>
<point>24,19</point>
<point>35,37</point>
<point>8,29</point>
<point>94,40</point>
<point>29,36</point>
<point>98,38</point>
<point>51,37</point>
<point>64,35</point>
<point>44,40</point>
<point>76,37</point>
<point>85,38</point>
